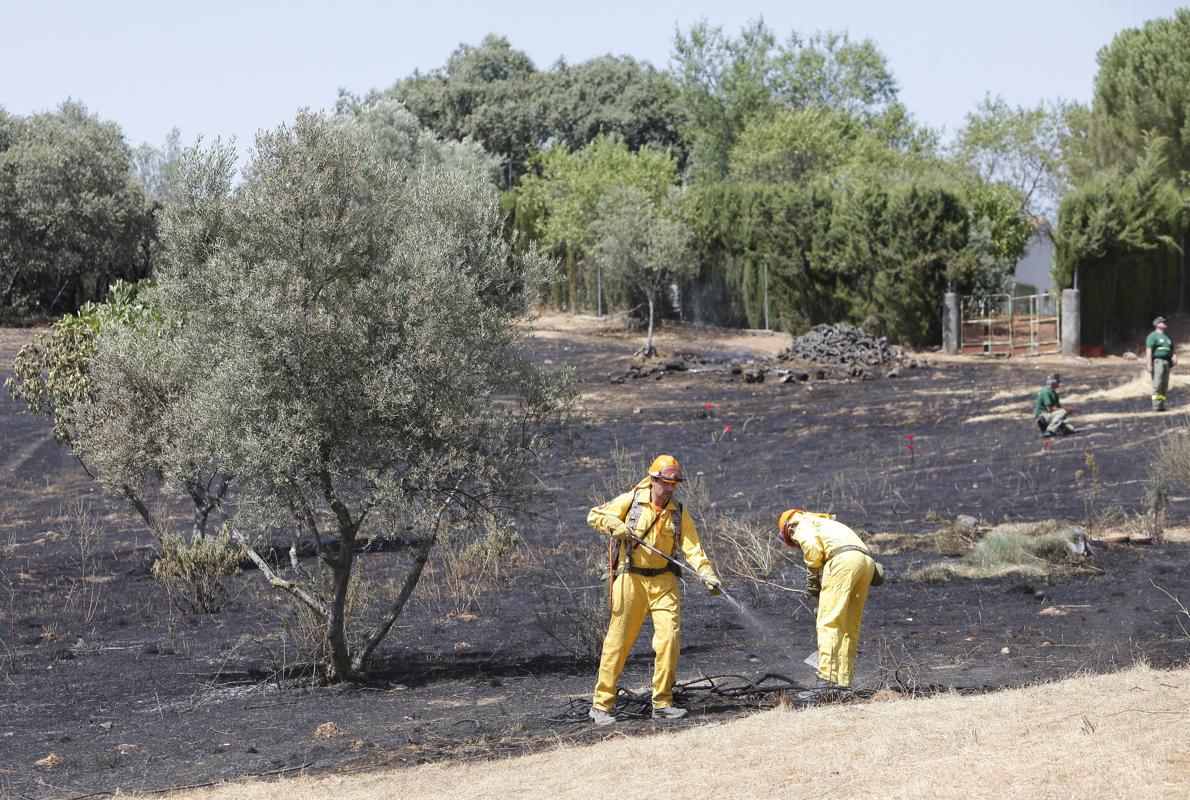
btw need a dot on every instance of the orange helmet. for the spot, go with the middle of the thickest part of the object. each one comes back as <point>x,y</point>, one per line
<point>784,527</point>
<point>666,468</point>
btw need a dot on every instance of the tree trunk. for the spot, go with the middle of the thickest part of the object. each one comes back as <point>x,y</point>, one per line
<point>336,635</point>
<point>398,605</point>
<point>649,350</point>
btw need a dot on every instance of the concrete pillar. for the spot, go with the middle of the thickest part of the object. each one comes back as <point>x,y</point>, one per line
<point>951,322</point>
<point>1071,335</point>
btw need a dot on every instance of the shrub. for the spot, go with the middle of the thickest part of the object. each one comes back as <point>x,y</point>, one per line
<point>193,573</point>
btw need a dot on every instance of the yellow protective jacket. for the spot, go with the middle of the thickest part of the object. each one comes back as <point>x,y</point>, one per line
<point>820,537</point>
<point>658,533</point>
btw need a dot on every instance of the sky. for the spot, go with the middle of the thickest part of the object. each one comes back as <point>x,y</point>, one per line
<point>228,69</point>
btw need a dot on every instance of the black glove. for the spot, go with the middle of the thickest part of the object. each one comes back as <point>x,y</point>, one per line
<point>813,583</point>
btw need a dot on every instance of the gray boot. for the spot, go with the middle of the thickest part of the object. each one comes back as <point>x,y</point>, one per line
<point>601,717</point>
<point>823,691</point>
<point>669,712</point>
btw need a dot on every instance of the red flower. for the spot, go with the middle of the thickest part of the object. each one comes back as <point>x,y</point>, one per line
<point>710,406</point>
<point>726,428</point>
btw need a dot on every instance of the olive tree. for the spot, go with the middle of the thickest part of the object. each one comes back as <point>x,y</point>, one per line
<point>348,327</point>
<point>643,245</point>
<point>52,374</point>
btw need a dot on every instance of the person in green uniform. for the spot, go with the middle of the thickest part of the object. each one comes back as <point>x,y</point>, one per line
<point>1161,360</point>
<point>1048,411</point>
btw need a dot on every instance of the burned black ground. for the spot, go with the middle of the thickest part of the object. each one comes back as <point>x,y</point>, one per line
<point>129,692</point>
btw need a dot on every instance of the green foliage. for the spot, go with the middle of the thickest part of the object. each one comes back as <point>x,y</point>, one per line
<point>73,217</point>
<point>839,250</point>
<point>728,83</point>
<point>400,139</point>
<point>564,195</point>
<point>613,96</point>
<point>642,244</point>
<point>51,373</point>
<point>792,145</point>
<point>485,93</point>
<point>1123,236</point>
<point>1019,148</point>
<point>339,333</point>
<point>998,235</point>
<point>1142,91</point>
<point>1121,233</point>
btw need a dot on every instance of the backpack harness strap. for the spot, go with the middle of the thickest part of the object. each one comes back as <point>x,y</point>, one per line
<point>622,555</point>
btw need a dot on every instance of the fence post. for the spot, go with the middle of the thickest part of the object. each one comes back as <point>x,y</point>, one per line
<point>951,334</point>
<point>1071,335</point>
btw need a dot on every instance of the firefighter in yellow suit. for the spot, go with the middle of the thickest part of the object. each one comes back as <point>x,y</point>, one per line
<point>645,583</point>
<point>840,572</point>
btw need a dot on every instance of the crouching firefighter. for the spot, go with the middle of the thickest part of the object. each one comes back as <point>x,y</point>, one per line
<point>644,582</point>
<point>840,571</point>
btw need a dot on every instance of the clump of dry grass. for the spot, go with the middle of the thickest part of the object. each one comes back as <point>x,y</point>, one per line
<point>1032,549</point>
<point>952,539</point>
<point>1084,737</point>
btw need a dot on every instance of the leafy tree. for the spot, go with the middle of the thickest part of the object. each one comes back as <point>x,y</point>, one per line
<point>51,372</point>
<point>568,189</point>
<point>72,215</point>
<point>53,375</point>
<point>792,146</point>
<point>1021,148</point>
<point>828,70</point>
<point>348,328</point>
<point>613,96</point>
<point>401,139</point>
<point>1142,90</point>
<point>727,83</point>
<point>157,168</point>
<point>999,233</point>
<point>724,83</point>
<point>643,246</point>
<point>486,93</point>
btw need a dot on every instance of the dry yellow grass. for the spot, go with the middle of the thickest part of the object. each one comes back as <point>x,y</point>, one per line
<point>1108,736</point>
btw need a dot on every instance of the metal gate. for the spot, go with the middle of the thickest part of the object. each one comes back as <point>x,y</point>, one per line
<point>1002,325</point>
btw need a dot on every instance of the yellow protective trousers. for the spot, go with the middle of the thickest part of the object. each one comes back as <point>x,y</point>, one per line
<point>845,581</point>
<point>634,596</point>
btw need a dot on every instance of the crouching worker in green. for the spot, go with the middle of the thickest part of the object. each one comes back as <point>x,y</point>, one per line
<point>1159,349</point>
<point>1048,411</point>
<point>644,583</point>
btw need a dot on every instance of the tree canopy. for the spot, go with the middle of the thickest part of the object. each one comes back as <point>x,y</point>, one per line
<point>73,217</point>
<point>353,313</point>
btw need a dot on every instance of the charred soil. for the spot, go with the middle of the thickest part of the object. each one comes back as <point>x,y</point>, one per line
<point>100,669</point>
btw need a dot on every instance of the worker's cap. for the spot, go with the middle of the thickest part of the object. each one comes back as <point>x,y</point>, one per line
<point>1053,378</point>
<point>788,522</point>
<point>666,468</point>
<point>1158,321</point>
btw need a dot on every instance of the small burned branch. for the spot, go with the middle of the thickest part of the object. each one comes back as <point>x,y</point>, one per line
<point>152,521</point>
<point>277,581</point>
